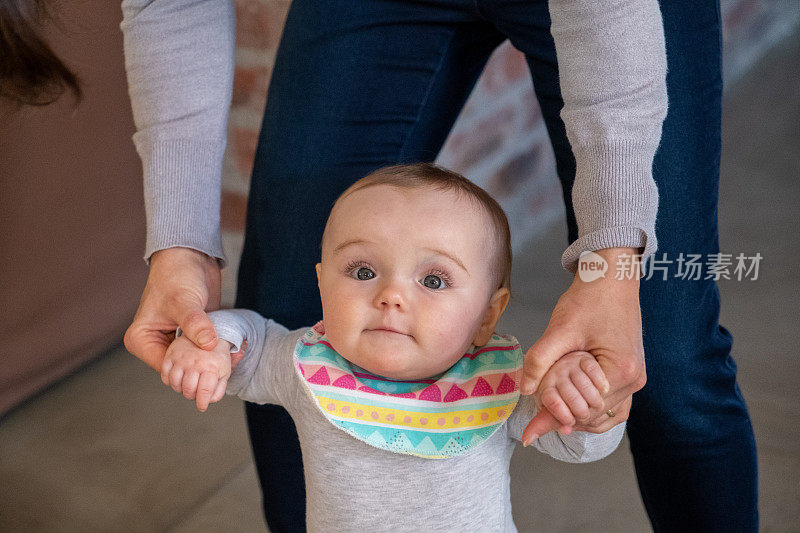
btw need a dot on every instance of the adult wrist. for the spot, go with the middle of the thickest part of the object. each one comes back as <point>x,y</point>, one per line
<point>618,266</point>
<point>182,253</point>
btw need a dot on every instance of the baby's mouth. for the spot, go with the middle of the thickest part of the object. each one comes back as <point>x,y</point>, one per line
<point>388,331</point>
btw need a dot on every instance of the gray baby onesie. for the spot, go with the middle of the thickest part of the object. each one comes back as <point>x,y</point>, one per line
<point>353,486</point>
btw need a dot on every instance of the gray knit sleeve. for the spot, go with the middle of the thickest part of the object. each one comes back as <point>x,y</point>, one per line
<point>577,447</point>
<point>266,372</point>
<point>179,64</point>
<point>612,69</point>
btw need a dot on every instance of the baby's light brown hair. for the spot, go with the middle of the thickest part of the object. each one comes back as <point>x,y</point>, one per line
<point>422,175</point>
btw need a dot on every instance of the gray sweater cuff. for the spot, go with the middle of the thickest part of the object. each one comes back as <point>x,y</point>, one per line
<point>182,192</point>
<point>615,199</point>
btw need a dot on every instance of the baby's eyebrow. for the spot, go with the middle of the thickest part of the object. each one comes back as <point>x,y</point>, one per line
<point>350,242</point>
<point>450,256</point>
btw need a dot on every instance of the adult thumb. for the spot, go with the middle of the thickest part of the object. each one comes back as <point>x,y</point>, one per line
<point>540,357</point>
<point>148,344</point>
<point>199,329</point>
<point>541,424</point>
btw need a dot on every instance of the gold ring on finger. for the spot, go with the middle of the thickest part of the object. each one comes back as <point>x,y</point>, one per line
<point>611,413</point>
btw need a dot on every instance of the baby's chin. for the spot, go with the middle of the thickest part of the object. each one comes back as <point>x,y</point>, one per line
<point>391,366</point>
<point>392,357</point>
<point>400,366</point>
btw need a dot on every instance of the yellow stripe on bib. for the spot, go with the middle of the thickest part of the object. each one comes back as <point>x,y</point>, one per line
<point>412,419</point>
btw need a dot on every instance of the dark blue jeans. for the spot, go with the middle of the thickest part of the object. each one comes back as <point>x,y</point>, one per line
<point>359,85</point>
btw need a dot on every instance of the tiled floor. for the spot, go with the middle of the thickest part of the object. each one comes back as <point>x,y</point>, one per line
<point>112,449</point>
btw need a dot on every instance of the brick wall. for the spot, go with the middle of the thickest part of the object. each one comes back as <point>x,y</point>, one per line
<point>499,140</point>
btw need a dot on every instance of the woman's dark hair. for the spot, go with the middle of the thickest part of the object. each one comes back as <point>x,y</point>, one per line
<point>30,72</point>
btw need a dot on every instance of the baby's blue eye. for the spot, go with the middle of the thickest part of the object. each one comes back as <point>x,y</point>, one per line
<point>364,273</point>
<point>433,282</point>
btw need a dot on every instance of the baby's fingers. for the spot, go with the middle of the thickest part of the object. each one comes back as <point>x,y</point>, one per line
<point>577,405</point>
<point>166,366</point>
<point>592,368</point>
<point>588,391</point>
<point>189,386</point>
<point>206,389</point>
<point>175,378</point>
<point>553,401</point>
<point>220,392</point>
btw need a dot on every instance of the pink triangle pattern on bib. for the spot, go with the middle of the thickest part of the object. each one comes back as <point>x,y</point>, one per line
<point>434,418</point>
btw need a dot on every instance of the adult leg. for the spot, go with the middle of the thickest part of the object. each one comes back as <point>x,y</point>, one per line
<point>689,429</point>
<point>356,86</point>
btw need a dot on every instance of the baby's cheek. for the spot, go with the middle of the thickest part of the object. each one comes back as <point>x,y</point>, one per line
<point>341,312</point>
<point>450,332</point>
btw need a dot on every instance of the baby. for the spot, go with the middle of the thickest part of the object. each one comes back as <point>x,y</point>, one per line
<point>405,367</point>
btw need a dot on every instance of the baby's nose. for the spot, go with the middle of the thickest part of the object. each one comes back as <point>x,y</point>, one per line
<point>391,295</point>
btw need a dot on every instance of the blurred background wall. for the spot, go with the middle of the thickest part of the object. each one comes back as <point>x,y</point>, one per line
<point>71,195</point>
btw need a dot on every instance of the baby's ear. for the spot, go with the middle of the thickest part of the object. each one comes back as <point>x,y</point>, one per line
<point>497,304</point>
<point>318,268</point>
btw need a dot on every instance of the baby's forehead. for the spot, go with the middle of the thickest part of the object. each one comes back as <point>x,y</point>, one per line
<point>380,194</point>
<point>449,212</point>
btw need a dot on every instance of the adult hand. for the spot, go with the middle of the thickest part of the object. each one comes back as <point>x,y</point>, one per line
<point>182,285</point>
<point>553,414</point>
<point>601,317</point>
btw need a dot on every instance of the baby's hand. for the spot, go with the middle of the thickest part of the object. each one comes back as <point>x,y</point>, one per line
<point>198,374</point>
<point>573,385</point>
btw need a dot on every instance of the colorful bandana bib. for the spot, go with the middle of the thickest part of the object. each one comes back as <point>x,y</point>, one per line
<point>430,418</point>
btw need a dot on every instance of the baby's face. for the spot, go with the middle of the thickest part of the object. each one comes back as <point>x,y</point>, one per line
<point>406,280</point>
